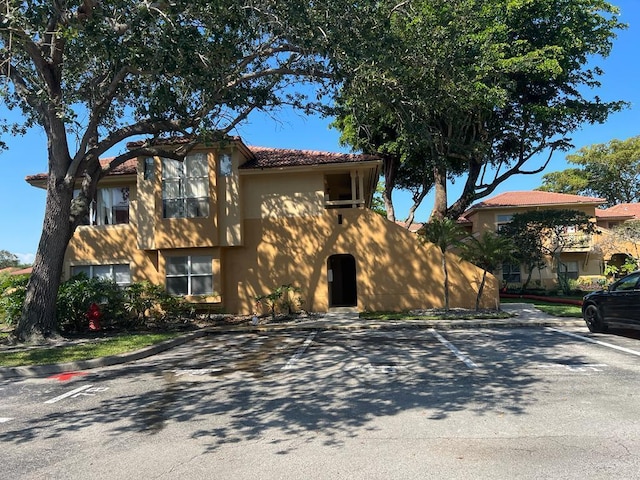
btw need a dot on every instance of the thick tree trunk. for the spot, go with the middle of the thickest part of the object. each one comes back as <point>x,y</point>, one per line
<point>481,289</point>
<point>440,185</point>
<point>39,312</point>
<point>390,167</point>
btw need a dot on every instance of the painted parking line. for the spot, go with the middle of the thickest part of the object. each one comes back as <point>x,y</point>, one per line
<point>461,356</point>
<point>298,355</point>
<point>5,419</point>
<point>597,342</point>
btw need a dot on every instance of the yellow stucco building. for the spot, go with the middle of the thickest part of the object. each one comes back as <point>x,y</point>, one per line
<point>583,258</point>
<point>232,222</point>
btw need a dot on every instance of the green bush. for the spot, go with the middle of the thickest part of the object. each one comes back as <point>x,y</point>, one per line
<point>13,290</point>
<point>131,306</point>
<point>76,295</point>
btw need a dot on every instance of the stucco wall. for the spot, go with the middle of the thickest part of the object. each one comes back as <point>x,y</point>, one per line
<point>394,270</point>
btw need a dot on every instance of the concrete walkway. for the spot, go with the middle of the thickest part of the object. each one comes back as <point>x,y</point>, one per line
<point>523,315</point>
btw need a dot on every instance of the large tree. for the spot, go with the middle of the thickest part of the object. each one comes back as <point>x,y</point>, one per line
<point>607,170</point>
<point>473,90</point>
<point>94,74</point>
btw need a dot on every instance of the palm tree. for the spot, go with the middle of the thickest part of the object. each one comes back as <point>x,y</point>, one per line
<point>444,233</point>
<point>488,252</point>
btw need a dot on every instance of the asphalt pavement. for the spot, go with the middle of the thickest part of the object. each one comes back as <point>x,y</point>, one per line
<point>522,315</point>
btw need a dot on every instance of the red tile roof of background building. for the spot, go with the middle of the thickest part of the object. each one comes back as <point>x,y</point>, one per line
<point>623,210</point>
<point>533,198</point>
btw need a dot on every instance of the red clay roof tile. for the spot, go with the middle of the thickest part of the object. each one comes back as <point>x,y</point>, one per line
<point>533,198</point>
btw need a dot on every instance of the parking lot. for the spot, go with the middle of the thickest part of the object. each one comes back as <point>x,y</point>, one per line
<point>407,403</point>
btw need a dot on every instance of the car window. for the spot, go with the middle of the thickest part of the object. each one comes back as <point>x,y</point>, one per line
<point>627,283</point>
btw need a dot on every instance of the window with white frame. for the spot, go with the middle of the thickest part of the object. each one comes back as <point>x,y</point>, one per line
<point>185,187</point>
<point>511,272</point>
<point>117,273</point>
<point>109,207</point>
<point>190,275</point>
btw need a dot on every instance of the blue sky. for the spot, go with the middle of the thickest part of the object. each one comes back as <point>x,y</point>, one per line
<point>22,208</point>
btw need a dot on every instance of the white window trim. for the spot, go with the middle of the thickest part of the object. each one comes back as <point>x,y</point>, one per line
<point>189,274</point>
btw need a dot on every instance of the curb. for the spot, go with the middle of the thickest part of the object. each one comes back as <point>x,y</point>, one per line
<point>46,370</point>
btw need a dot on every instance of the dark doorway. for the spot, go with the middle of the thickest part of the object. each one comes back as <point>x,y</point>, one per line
<point>341,273</point>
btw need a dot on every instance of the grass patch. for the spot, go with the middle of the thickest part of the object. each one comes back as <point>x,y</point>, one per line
<point>85,351</point>
<point>559,310</point>
<point>555,309</point>
<point>435,315</point>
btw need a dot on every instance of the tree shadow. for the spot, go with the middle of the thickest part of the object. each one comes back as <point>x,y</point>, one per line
<point>340,386</point>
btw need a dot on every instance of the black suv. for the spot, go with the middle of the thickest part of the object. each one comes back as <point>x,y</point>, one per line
<point>618,306</point>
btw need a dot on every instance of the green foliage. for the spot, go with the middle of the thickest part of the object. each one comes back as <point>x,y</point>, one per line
<point>8,259</point>
<point>488,252</point>
<point>540,233</point>
<point>77,294</point>
<point>474,89</point>
<point>444,233</point>
<point>610,171</point>
<point>281,298</point>
<point>13,289</point>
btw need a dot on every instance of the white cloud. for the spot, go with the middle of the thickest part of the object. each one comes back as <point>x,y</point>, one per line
<point>26,258</point>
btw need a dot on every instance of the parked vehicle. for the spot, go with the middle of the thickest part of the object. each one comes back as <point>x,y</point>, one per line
<point>618,306</point>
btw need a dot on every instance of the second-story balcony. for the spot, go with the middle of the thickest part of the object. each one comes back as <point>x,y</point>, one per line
<point>576,242</point>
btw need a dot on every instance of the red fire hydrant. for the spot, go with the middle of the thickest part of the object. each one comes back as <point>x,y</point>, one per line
<point>93,315</point>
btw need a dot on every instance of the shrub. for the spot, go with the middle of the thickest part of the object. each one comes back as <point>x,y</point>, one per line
<point>13,289</point>
<point>78,293</point>
<point>281,298</point>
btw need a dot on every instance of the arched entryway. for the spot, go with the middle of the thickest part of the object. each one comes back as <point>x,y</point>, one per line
<point>341,275</point>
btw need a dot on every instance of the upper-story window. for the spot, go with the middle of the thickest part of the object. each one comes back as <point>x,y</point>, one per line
<point>502,220</point>
<point>226,168</point>
<point>185,187</point>
<point>109,207</point>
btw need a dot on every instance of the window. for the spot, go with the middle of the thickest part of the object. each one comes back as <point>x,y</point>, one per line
<point>148,168</point>
<point>502,220</point>
<point>190,275</point>
<point>569,270</point>
<point>225,165</point>
<point>109,207</point>
<point>511,272</point>
<point>185,187</point>
<point>118,273</point>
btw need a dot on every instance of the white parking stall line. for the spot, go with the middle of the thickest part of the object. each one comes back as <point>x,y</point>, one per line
<point>597,342</point>
<point>68,394</point>
<point>5,419</point>
<point>298,355</point>
<point>461,356</point>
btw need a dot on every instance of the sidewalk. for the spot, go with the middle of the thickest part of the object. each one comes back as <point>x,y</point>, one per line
<point>524,315</point>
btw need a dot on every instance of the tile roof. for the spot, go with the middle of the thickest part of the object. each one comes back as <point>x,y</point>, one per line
<point>534,198</point>
<point>623,210</point>
<point>261,158</point>
<point>264,157</point>
<point>130,167</point>
<point>413,228</point>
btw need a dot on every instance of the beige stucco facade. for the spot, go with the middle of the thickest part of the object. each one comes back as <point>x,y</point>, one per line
<point>587,254</point>
<point>307,225</point>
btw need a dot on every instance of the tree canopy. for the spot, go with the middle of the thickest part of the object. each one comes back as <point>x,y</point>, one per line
<point>607,170</point>
<point>8,259</point>
<point>471,91</point>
